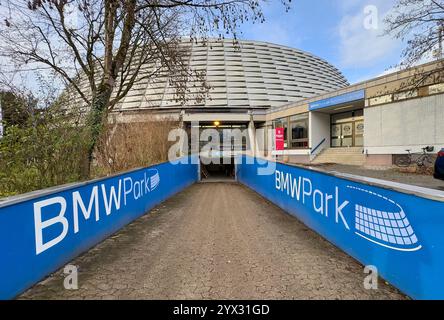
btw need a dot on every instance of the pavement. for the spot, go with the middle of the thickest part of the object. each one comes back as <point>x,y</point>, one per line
<point>215,241</point>
<point>390,174</point>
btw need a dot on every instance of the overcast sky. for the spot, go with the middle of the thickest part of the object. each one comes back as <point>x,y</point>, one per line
<point>333,30</point>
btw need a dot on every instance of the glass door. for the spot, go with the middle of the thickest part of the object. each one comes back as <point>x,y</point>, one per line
<point>359,133</point>
<point>347,134</point>
<point>336,135</point>
<point>347,129</point>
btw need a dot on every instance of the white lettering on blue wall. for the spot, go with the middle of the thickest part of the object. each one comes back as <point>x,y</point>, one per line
<point>311,196</point>
<point>110,198</point>
<point>40,225</point>
<point>77,202</point>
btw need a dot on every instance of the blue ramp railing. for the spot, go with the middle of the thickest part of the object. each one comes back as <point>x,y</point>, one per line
<point>41,232</point>
<point>399,232</point>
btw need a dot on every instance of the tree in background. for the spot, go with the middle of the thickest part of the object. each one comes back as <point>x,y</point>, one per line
<point>108,42</point>
<point>16,110</point>
<point>420,23</point>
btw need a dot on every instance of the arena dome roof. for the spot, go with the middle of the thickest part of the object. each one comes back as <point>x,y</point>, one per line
<point>251,74</point>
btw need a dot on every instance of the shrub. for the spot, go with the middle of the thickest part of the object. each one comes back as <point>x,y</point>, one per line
<point>49,150</point>
<point>125,146</point>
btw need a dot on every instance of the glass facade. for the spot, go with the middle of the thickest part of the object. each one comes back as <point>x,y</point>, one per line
<point>299,131</point>
<point>295,130</point>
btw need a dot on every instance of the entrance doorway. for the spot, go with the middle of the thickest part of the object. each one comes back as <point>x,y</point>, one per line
<point>218,144</point>
<point>347,129</point>
<point>216,171</point>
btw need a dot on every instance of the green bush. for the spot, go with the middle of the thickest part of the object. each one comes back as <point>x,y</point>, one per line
<point>48,146</point>
<point>49,150</point>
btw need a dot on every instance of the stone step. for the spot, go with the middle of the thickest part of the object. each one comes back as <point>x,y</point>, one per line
<point>339,159</point>
<point>350,156</point>
<point>345,150</point>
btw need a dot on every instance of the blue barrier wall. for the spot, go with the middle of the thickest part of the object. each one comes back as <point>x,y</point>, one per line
<point>401,234</point>
<point>41,234</point>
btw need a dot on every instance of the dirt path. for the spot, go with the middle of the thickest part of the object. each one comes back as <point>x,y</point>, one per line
<point>215,241</point>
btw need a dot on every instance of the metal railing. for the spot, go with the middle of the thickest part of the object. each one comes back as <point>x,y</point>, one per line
<point>313,153</point>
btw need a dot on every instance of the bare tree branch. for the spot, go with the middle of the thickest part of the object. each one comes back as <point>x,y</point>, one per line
<point>101,48</point>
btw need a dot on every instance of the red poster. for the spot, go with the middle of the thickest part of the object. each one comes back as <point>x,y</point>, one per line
<point>279,138</point>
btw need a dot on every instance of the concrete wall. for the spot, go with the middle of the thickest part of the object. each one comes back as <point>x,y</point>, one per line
<point>378,160</point>
<point>299,159</point>
<point>410,124</point>
<point>319,128</point>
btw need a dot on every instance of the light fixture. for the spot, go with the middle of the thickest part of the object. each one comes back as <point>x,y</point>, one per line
<point>342,108</point>
<point>216,123</point>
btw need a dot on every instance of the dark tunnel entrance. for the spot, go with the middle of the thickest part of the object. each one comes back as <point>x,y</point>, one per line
<point>222,170</point>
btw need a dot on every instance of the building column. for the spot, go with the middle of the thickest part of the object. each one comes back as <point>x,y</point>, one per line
<point>252,136</point>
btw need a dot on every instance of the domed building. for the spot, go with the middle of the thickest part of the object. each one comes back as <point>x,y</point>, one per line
<point>248,75</point>
<point>318,116</point>
<point>249,82</point>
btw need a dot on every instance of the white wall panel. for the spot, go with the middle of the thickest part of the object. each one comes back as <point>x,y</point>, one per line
<point>410,124</point>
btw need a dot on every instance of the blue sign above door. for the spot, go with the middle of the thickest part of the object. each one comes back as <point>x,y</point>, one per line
<point>341,99</point>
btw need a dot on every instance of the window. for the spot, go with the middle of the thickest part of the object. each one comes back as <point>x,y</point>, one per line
<point>297,136</point>
<point>282,123</point>
<point>299,131</point>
